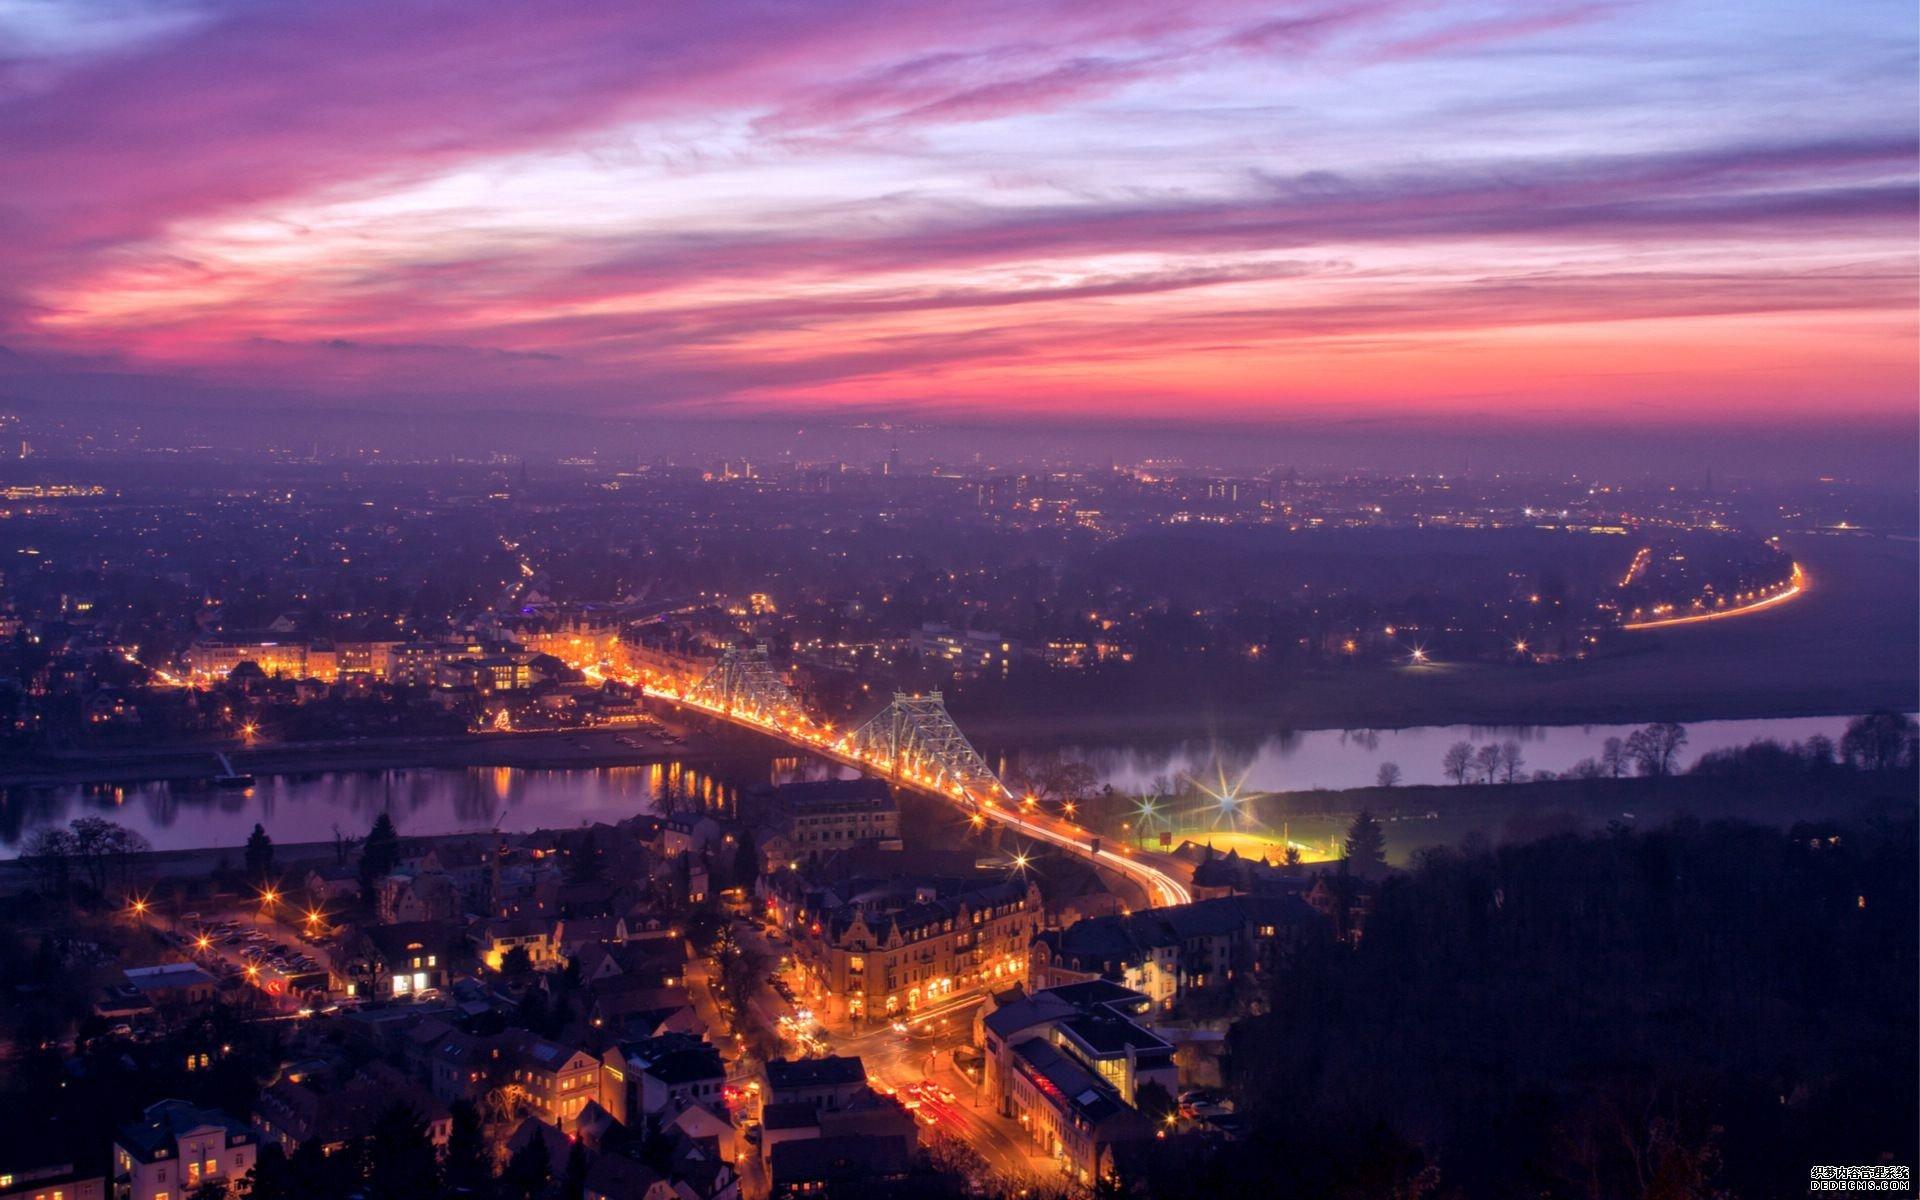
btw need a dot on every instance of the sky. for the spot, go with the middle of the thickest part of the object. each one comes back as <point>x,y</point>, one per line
<point>1571,214</point>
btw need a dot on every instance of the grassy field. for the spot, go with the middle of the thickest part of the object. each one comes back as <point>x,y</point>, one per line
<point>1414,818</point>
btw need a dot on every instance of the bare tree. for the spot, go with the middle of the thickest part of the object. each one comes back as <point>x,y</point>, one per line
<point>1656,749</point>
<point>1614,758</point>
<point>1487,762</point>
<point>103,849</point>
<point>1388,775</point>
<point>50,854</point>
<point>1510,761</point>
<point>1458,761</point>
<point>1877,741</point>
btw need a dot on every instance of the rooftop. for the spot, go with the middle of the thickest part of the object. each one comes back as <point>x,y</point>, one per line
<point>835,1071</point>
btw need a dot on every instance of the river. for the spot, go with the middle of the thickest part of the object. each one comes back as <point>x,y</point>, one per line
<point>422,801</point>
<point>1333,758</point>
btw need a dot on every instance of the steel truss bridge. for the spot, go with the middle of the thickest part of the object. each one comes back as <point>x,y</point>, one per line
<point>912,742</point>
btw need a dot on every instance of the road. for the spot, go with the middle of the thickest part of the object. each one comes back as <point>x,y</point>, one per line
<point>1797,587</point>
<point>918,1068</point>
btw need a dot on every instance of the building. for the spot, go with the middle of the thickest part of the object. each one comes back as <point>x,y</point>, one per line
<point>210,658</point>
<point>1164,953</point>
<point>43,1161</point>
<point>378,961</point>
<point>967,651</point>
<point>865,1118</point>
<point>175,1148</point>
<point>821,816</point>
<point>876,948</point>
<point>490,673</point>
<point>831,1083</point>
<point>496,937</point>
<point>1094,1023</point>
<point>290,1112</point>
<point>663,1074</point>
<point>1067,1112</point>
<point>175,983</point>
<point>371,659</point>
<point>52,1181</point>
<point>820,1165</point>
<point>553,1081</point>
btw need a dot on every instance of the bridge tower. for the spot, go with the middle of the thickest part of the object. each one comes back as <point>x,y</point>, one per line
<point>743,683</point>
<point>915,737</point>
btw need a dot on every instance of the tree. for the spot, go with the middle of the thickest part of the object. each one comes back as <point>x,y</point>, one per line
<point>1458,761</point>
<point>467,1169</point>
<point>1587,768</point>
<point>1614,757</point>
<point>1510,761</point>
<point>517,962</point>
<point>1486,761</point>
<point>746,861</point>
<point>343,844</point>
<point>529,1169</point>
<point>1819,752</point>
<point>400,1156</point>
<point>573,1180</point>
<point>1877,741</point>
<point>1388,775</point>
<point>379,854</point>
<point>259,854</point>
<point>49,853</point>
<point>103,848</point>
<point>1366,844</point>
<point>271,1177</point>
<point>309,1174</point>
<point>1656,748</point>
<point>1153,1100</point>
<point>1291,856</point>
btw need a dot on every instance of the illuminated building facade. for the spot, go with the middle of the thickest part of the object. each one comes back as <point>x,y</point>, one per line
<point>551,1080</point>
<point>896,947</point>
<point>211,659</point>
<point>175,1149</point>
<point>822,816</point>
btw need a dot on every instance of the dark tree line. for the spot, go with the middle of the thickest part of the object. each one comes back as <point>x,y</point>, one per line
<point>1695,1011</point>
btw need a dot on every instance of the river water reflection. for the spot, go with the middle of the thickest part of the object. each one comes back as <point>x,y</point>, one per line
<point>421,801</point>
<point>309,808</point>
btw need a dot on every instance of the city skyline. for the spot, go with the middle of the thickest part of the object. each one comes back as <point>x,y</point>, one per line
<point>1556,217</point>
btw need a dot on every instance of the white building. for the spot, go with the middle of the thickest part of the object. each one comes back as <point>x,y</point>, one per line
<point>175,1149</point>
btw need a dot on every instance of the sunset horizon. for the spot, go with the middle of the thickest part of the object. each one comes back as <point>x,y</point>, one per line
<point>1237,215</point>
